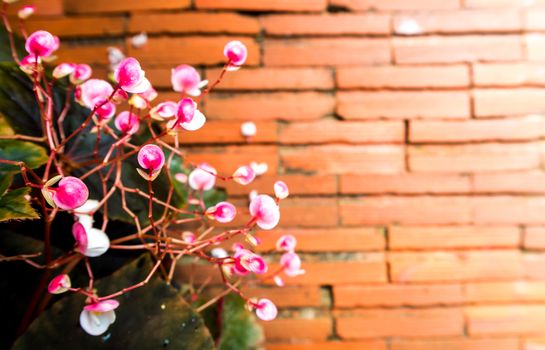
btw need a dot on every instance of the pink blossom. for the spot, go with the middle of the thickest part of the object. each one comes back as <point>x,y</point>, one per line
<point>222,212</point>
<point>247,261</point>
<point>59,284</point>
<point>266,310</point>
<point>181,177</point>
<point>188,117</point>
<point>97,317</point>
<point>151,157</point>
<point>237,246</point>
<point>236,52</point>
<point>265,211</point>
<point>186,79</point>
<point>286,242</point>
<point>63,70</point>
<point>104,109</point>
<point>189,237</point>
<point>26,11</point>
<point>102,306</point>
<point>281,190</point>
<point>248,129</point>
<point>164,110</point>
<point>291,264</point>
<point>90,241</point>
<point>259,168</point>
<point>92,91</point>
<point>70,194</point>
<point>80,73</point>
<point>128,123</point>
<point>244,175</point>
<point>202,178</point>
<point>142,100</point>
<point>130,76</point>
<point>41,43</point>
<point>30,63</point>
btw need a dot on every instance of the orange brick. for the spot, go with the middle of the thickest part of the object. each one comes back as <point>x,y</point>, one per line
<point>330,24</point>
<point>190,50</point>
<point>500,292</point>
<point>508,74</point>
<point>475,157</point>
<point>509,210</point>
<point>359,5</point>
<point>220,131</point>
<point>328,240</point>
<point>534,238</point>
<point>326,52</point>
<point>508,319</point>
<point>409,323</point>
<point>259,5</point>
<point>79,26</point>
<point>90,54</point>
<point>403,104</point>
<point>288,296</point>
<point>267,106</point>
<point>403,77</point>
<point>169,23</point>
<point>533,266</point>
<point>450,49</point>
<point>397,295</point>
<point>512,182</point>
<point>405,210</point>
<point>298,185</point>
<point>404,184</point>
<point>455,266</point>
<point>448,237</point>
<point>465,21</point>
<point>314,329</point>
<point>309,212</point>
<point>43,8</point>
<point>332,131</point>
<point>344,159</point>
<point>274,79</point>
<point>456,344</point>
<point>514,129</point>
<point>337,345</point>
<point>502,102</point>
<point>77,6</point>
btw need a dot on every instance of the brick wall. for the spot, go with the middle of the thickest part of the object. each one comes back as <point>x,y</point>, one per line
<point>409,133</point>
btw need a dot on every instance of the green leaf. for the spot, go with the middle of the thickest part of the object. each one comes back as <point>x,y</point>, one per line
<point>5,182</point>
<point>152,317</point>
<point>21,151</point>
<point>240,329</point>
<point>14,206</point>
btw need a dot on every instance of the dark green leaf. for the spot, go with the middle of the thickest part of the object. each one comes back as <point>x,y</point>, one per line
<point>21,151</point>
<point>5,182</point>
<point>239,327</point>
<point>14,206</point>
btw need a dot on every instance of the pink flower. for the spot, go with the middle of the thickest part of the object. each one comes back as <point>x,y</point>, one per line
<point>244,175</point>
<point>259,168</point>
<point>59,284</point>
<point>188,117</point>
<point>202,178</point>
<point>181,178</point>
<point>281,190</point>
<point>81,73</point>
<point>247,261</point>
<point>128,123</point>
<point>142,100</point>
<point>92,91</point>
<point>42,43</point>
<point>151,157</point>
<point>287,243</point>
<point>130,76</point>
<point>26,11</point>
<point>30,63</point>
<point>291,264</point>
<point>164,110</point>
<point>248,129</point>
<point>236,52</point>
<point>63,70</point>
<point>70,194</point>
<point>97,317</point>
<point>90,241</point>
<point>265,211</point>
<point>189,237</point>
<point>104,109</point>
<point>222,212</point>
<point>186,79</point>
<point>266,310</point>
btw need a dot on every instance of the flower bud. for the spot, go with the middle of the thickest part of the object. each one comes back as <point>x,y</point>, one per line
<point>59,284</point>
<point>265,211</point>
<point>222,212</point>
<point>244,175</point>
<point>286,243</point>
<point>151,157</point>
<point>248,129</point>
<point>202,178</point>
<point>130,76</point>
<point>26,11</point>
<point>90,241</point>
<point>236,52</point>
<point>266,310</point>
<point>186,79</point>
<point>281,190</point>
<point>128,123</point>
<point>70,194</point>
<point>41,43</point>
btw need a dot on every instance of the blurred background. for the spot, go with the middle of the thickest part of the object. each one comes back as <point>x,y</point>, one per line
<point>410,133</point>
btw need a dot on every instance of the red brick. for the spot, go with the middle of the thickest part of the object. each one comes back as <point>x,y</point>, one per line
<point>408,323</point>
<point>309,212</point>
<point>288,296</point>
<point>298,184</point>
<point>326,52</point>
<point>465,21</point>
<point>267,106</point>
<point>455,266</point>
<point>457,344</point>
<point>403,104</point>
<point>503,292</point>
<point>275,79</point>
<point>259,5</point>
<point>508,319</point>
<point>79,26</point>
<point>332,345</point>
<point>43,8</point>
<point>533,266</point>
<point>534,238</point>
<point>515,129</point>
<point>397,295</point>
<point>535,44</point>
<point>77,6</point>
<point>448,237</point>
<point>502,102</point>
<point>509,210</point>
<point>333,131</point>
<point>516,182</point>
<point>418,77</point>
<point>487,157</point>
<point>190,50</point>
<point>169,23</point>
<point>326,24</point>
<point>404,184</point>
<point>508,74</point>
<point>220,131</point>
<point>337,159</point>
<point>314,329</point>
<point>359,5</point>
<point>328,240</point>
<point>90,54</point>
<point>450,49</point>
<point>405,210</point>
